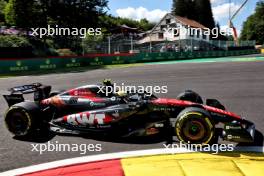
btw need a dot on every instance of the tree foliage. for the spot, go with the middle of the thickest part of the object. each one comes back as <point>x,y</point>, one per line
<point>220,36</point>
<point>180,8</point>
<point>30,13</point>
<point>199,10</point>
<point>2,8</point>
<point>204,14</point>
<point>110,22</point>
<point>14,41</point>
<point>9,13</point>
<point>65,13</point>
<point>23,13</point>
<point>253,27</point>
<point>184,8</point>
<point>75,12</point>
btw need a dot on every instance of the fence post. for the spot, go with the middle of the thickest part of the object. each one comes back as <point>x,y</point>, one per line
<point>192,44</point>
<point>83,47</point>
<point>109,45</point>
<point>131,38</point>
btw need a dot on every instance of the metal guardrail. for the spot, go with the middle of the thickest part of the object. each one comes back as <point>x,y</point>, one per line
<point>125,45</point>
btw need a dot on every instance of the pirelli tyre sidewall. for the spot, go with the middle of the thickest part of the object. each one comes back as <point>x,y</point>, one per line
<point>20,119</point>
<point>194,126</point>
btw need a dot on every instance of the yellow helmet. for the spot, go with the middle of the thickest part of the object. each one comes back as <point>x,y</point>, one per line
<point>107,82</point>
<point>121,93</point>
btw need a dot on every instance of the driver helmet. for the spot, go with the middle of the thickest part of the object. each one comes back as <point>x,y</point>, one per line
<point>121,93</point>
<point>107,82</point>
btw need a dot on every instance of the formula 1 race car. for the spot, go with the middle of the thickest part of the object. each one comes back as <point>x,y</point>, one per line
<point>87,110</point>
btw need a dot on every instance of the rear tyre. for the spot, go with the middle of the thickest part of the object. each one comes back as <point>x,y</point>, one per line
<point>194,126</point>
<point>21,119</point>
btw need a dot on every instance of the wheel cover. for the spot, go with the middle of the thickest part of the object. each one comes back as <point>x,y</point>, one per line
<point>194,130</point>
<point>194,127</point>
<point>18,121</point>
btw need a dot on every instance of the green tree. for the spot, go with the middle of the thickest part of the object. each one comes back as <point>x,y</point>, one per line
<point>145,25</point>
<point>109,22</point>
<point>23,13</point>
<point>90,44</point>
<point>220,36</point>
<point>2,8</point>
<point>76,13</point>
<point>184,8</point>
<point>13,41</point>
<point>199,10</point>
<point>253,27</point>
<point>70,13</point>
<point>203,13</point>
<point>9,13</point>
<point>180,8</point>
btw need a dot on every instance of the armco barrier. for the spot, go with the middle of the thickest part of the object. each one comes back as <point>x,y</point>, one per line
<point>8,66</point>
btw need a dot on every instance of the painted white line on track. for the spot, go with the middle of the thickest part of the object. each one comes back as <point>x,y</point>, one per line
<point>110,156</point>
<point>14,77</point>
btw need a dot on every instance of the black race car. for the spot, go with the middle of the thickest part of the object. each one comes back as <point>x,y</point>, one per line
<point>86,110</point>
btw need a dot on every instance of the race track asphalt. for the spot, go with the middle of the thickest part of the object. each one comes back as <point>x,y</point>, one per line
<point>238,85</point>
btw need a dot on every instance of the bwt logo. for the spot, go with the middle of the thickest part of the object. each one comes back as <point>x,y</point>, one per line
<point>86,119</point>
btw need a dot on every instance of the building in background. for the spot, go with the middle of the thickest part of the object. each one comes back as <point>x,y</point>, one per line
<point>185,33</point>
<point>171,34</point>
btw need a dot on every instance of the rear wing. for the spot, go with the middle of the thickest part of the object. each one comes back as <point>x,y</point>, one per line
<point>25,89</point>
<point>16,93</point>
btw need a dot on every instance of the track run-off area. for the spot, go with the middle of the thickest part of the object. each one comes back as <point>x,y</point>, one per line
<point>237,82</point>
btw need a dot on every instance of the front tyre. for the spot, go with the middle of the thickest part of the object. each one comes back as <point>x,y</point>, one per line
<point>21,118</point>
<point>194,126</point>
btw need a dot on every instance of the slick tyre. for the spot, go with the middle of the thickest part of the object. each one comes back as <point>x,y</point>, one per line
<point>21,119</point>
<point>194,126</point>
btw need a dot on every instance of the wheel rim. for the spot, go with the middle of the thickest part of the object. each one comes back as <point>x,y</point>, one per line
<point>194,130</point>
<point>18,123</point>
